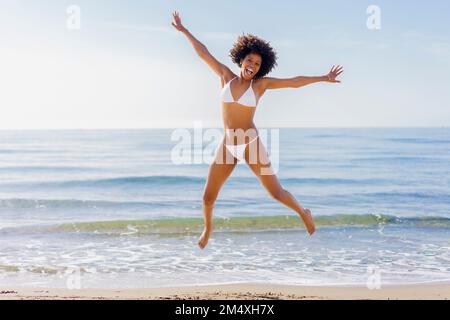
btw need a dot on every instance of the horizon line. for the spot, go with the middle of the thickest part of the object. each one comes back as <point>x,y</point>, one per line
<point>208,127</point>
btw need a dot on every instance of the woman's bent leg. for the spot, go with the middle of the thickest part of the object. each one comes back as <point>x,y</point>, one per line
<point>273,186</point>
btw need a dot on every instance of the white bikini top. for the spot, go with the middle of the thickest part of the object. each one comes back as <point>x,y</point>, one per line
<point>248,99</point>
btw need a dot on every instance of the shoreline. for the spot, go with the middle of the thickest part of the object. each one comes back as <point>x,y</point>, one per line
<point>247,291</point>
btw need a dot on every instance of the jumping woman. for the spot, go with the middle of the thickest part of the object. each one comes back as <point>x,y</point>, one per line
<point>240,95</point>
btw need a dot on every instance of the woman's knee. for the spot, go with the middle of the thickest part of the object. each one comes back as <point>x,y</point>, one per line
<point>209,199</point>
<point>277,194</point>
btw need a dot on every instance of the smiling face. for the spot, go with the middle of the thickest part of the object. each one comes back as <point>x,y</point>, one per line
<point>250,65</point>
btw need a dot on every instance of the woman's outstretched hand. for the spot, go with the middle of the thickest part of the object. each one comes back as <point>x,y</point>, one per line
<point>177,21</point>
<point>334,72</point>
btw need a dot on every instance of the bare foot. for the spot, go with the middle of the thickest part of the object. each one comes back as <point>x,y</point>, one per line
<point>203,240</point>
<point>308,221</point>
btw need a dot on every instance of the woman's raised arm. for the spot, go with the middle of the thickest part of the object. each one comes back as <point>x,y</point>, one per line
<point>300,81</point>
<point>220,69</point>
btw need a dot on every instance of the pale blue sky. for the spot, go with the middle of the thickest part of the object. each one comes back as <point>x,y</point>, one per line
<point>128,68</point>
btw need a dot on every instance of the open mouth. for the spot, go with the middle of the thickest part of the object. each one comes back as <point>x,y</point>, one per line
<point>249,72</point>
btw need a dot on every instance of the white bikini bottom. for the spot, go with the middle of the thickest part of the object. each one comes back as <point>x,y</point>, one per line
<point>238,150</point>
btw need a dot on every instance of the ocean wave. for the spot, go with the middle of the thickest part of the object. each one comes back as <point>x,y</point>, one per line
<point>154,180</point>
<point>334,135</point>
<point>50,169</point>
<point>420,140</point>
<point>393,158</point>
<point>27,151</point>
<point>138,180</point>
<point>443,197</point>
<point>186,226</point>
<point>42,270</point>
<point>18,203</point>
<point>168,180</point>
<point>334,181</point>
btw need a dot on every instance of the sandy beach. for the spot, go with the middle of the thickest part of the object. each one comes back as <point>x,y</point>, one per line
<point>234,291</point>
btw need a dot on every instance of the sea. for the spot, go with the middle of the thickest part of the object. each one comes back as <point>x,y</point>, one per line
<point>118,209</point>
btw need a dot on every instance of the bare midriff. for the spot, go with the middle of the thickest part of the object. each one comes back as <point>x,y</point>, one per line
<point>238,122</point>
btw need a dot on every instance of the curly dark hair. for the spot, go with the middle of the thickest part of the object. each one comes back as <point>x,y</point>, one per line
<point>249,43</point>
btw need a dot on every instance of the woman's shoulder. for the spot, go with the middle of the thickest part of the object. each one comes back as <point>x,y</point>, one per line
<point>227,78</point>
<point>260,82</point>
<point>259,86</point>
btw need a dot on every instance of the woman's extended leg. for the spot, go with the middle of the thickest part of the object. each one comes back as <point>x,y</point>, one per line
<point>260,165</point>
<point>218,173</point>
